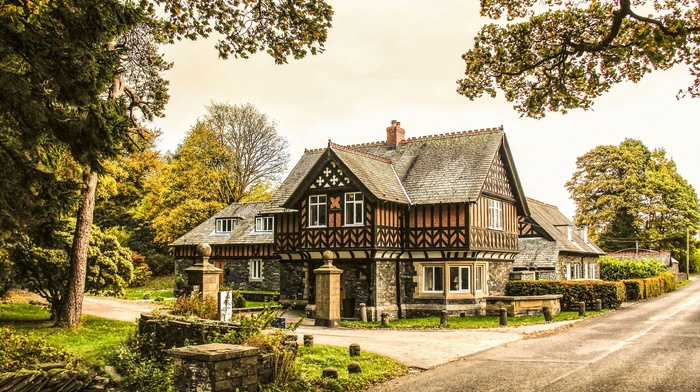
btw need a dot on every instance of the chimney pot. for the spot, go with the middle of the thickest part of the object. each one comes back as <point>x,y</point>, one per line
<point>394,134</point>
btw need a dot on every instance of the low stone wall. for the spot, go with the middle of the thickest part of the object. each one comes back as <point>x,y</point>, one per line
<point>523,305</point>
<point>52,377</point>
<point>175,333</point>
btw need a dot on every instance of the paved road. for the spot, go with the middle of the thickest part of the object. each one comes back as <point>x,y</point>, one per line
<point>651,346</point>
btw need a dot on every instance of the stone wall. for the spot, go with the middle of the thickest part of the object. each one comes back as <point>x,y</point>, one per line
<point>581,261</point>
<point>177,333</point>
<point>52,377</point>
<point>355,281</point>
<point>237,273</point>
<point>499,273</point>
<point>294,283</point>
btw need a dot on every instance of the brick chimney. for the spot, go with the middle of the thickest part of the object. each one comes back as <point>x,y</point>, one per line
<point>394,134</point>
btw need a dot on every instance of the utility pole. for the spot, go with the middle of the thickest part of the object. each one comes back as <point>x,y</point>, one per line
<point>687,251</point>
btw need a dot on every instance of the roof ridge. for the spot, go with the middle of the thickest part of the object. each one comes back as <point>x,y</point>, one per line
<point>357,152</point>
<point>454,134</point>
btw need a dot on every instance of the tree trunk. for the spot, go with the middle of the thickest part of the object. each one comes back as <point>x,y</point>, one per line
<point>73,300</point>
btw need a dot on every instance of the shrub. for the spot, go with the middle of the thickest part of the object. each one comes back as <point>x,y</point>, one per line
<point>142,272</point>
<point>610,293</point>
<point>206,307</point>
<point>144,365</point>
<point>616,270</point>
<point>634,289</point>
<point>19,351</point>
<point>237,299</point>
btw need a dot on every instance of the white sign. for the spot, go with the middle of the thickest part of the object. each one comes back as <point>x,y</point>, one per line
<point>225,305</point>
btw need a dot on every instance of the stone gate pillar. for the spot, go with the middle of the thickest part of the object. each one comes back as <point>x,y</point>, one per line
<point>327,292</point>
<point>203,274</point>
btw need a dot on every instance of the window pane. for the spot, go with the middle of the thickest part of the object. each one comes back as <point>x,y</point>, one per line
<point>358,212</point>
<point>478,286</point>
<point>439,279</point>
<point>454,278</point>
<point>465,277</point>
<point>428,279</point>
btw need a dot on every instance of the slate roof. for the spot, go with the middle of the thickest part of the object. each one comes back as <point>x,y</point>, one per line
<point>243,233</point>
<point>553,222</point>
<point>446,168</point>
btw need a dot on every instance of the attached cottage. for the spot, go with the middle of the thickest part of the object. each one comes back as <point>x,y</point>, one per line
<point>417,225</point>
<point>242,246</point>
<point>551,247</point>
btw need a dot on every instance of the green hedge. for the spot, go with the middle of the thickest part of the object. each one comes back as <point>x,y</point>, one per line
<point>614,269</point>
<point>638,289</point>
<point>612,294</point>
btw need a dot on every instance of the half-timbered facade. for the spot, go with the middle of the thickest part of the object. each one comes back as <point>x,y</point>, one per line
<point>417,225</point>
<point>242,242</point>
<point>552,248</point>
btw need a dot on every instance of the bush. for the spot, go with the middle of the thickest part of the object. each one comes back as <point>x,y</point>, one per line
<point>634,289</point>
<point>616,270</point>
<point>19,351</point>
<point>206,307</point>
<point>142,272</point>
<point>612,294</point>
<point>144,366</point>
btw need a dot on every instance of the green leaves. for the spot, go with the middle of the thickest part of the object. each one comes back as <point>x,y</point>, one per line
<point>567,56</point>
<point>281,28</point>
<point>628,194</point>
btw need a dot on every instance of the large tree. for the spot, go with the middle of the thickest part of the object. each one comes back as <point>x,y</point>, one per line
<point>233,153</point>
<point>630,196</point>
<point>562,54</point>
<point>78,72</point>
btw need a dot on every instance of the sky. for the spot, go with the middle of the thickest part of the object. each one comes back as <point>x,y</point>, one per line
<point>400,60</point>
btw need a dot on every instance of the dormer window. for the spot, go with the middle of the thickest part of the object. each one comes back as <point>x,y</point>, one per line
<point>225,225</point>
<point>264,224</point>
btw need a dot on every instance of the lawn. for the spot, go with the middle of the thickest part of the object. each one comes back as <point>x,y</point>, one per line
<point>155,287</point>
<point>465,322</point>
<point>92,341</point>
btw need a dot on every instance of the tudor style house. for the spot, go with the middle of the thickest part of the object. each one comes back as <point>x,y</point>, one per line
<point>242,246</point>
<point>417,225</point>
<point>551,247</point>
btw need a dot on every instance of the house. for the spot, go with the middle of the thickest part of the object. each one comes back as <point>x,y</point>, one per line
<point>551,247</point>
<point>417,225</point>
<point>242,246</point>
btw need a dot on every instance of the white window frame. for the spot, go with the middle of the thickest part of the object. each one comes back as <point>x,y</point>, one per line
<point>478,278</point>
<point>495,215</point>
<point>224,225</point>
<point>459,277</point>
<point>434,281</point>
<point>264,224</point>
<point>318,203</point>
<point>568,271</point>
<point>591,271</point>
<point>576,274</point>
<point>353,202</point>
<point>256,269</point>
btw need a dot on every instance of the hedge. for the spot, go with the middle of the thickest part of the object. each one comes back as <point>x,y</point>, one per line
<point>611,294</point>
<point>638,289</point>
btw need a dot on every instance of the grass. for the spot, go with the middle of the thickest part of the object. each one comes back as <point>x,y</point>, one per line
<point>155,287</point>
<point>93,341</point>
<point>311,361</point>
<point>465,322</point>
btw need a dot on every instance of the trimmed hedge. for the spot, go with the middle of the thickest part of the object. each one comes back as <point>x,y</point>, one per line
<point>612,294</point>
<point>614,269</point>
<point>638,289</point>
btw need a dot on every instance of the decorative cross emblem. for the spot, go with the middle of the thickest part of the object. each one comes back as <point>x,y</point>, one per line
<point>327,172</point>
<point>319,181</point>
<point>335,203</point>
<point>334,180</point>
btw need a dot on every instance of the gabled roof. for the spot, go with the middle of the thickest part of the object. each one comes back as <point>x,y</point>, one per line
<point>549,219</point>
<point>447,168</point>
<point>243,233</point>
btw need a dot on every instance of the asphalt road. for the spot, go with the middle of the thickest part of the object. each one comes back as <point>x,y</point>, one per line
<point>650,346</point>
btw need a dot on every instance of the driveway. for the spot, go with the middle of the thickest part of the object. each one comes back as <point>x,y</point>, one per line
<point>420,349</point>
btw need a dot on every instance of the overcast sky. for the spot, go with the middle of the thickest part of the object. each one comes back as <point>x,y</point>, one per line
<point>400,60</point>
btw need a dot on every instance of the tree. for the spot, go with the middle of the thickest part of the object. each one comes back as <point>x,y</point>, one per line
<point>44,269</point>
<point>568,52</point>
<point>60,60</point>
<point>233,154</point>
<point>628,194</point>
